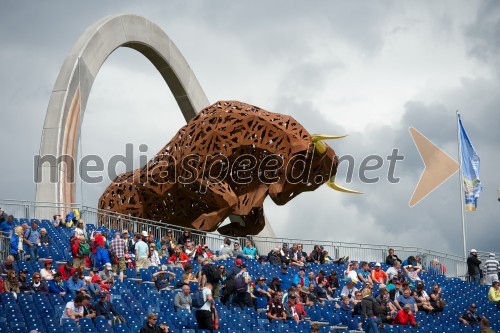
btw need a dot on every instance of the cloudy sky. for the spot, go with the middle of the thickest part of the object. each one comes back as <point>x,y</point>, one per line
<point>363,68</point>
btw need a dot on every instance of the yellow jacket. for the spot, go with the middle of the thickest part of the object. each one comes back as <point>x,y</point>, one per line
<point>494,295</point>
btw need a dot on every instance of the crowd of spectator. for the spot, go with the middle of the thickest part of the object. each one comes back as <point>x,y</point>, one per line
<point>97,260</point>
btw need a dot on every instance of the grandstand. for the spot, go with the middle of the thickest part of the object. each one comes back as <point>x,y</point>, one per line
<point>136,296</point>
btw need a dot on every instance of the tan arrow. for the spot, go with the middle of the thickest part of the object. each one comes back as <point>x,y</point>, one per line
<point>439,166</point>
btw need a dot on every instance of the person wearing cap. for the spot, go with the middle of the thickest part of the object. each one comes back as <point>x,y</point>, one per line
<point>8,264</point>
<point>57,285</point>
<point>161,280</point>
<point>405,316</point>
<point>291,310</point>
<point>106,274</point>
<point>32,240</point>
<point>76,285</point>
<point>106,309</point>
<point>250,251</point>
<point>66,270</point>
<point>141,254</point>
<point>470,317</point>
<point>261,289</point>
<point>491,268</point>
<point>494,294</point>
<point>24,284</point>
<point>275,309</point>
<point>117,247</point>
<point>349,289</point>
<point>300,279</point>
<point>38,285</point>
<point>286,279</point>
<point>244,298</point>
<point>473,269</point>
<point>47,272</point>
<point>378,275</point>
<point>274,285</point>
<point>412,273</point>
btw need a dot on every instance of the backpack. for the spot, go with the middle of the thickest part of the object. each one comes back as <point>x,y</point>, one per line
<point>83,249</point>
<point>241,284</point>
<point>197,298</point>
<point>212,273</point>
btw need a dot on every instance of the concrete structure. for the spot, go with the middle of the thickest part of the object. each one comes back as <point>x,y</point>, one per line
<point>61,130</point>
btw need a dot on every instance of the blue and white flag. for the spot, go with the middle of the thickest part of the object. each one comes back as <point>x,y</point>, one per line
<point>470,169</point>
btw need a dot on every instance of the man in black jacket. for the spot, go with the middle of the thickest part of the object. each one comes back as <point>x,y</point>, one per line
<point>473,263</point>
<point>106,309</point>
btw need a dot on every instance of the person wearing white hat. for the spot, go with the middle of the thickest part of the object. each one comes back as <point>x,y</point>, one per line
<point>473,269</point>
<point>491,267</point>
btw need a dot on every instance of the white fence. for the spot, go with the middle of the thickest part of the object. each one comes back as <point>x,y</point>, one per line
<point>455,265</point>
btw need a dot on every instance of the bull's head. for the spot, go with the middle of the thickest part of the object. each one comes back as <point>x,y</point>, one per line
<point>310,166</point>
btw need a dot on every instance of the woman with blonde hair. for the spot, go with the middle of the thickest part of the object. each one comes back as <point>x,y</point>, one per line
<point>80,229</point>
<point>11,283</point>
<point>368,311</point>
<point>16,244</point>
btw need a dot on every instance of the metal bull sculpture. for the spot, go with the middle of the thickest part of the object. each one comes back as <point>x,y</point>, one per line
<point>223,162</point>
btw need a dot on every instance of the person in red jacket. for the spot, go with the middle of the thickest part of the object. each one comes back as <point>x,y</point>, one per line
<point>66,270</point>
<point>405,317</point>
<point>178,257</point>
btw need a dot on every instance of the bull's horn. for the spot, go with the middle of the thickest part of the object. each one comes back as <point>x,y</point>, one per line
<point>320,147</point>
<point>331,183</point>
<point>318,137</point>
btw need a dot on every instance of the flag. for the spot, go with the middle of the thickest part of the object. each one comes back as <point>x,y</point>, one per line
<point>470,169</point>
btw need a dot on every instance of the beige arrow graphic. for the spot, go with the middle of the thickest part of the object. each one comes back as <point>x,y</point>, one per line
<point>439,166</point>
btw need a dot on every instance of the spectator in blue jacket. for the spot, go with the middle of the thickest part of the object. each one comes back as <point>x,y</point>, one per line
<point>57,285</point>
<point>102,256</point>
<point>16,244</point>
<point>250,251</point>
<point>76,285</point>
<point>300,278</point>
<point>7,265</point>
<point>7,226</point>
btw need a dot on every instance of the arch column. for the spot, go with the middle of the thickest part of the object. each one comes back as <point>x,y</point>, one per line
<point>61,130</point>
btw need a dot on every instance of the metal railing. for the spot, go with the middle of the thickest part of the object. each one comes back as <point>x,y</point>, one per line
<point>455,265</point>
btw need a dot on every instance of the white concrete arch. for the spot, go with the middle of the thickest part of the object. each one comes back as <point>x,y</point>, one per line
<point>61,130</point>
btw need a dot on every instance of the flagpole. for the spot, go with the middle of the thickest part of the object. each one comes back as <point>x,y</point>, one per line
<point>462,194</point>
